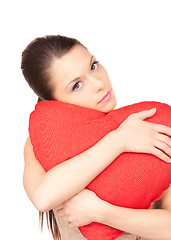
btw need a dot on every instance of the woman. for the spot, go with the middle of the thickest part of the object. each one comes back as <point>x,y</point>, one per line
<point>62,69</point>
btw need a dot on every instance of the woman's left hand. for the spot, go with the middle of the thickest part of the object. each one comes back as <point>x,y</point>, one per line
<point>80,210</point>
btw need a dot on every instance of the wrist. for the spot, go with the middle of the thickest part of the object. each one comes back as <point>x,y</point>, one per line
<point>117,142</point>
<point>101,212</point>
<point>107,214</point>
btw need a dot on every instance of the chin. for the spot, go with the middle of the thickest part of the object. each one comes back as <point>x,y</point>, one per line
<point>109,108</point>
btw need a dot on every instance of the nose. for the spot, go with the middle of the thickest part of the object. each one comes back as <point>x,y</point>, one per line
<point>96,83</point>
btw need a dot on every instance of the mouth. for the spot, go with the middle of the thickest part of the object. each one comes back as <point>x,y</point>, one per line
<point>106,97</point>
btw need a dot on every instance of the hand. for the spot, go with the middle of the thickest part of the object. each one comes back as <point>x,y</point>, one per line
<point>144,137</point>
<point>80,210</point>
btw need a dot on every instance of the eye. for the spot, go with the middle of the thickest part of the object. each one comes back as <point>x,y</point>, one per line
<point>94,65</point>
<point>76,86</point>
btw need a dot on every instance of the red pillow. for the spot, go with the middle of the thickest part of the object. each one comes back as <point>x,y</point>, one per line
<point>60,131</point>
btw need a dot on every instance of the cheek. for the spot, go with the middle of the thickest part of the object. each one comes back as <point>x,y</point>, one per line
<point>103,75</point>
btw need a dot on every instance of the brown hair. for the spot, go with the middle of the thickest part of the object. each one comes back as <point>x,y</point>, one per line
<point>36,62</point>
<point>51,223</point>
<point>37,59</point>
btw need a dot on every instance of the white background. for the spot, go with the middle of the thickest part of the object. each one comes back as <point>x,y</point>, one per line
<point>132,39</point>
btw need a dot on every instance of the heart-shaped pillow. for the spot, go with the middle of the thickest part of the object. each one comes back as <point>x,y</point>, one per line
<point>60,131</point>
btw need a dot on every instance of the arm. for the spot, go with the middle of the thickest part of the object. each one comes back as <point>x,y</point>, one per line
<point>86,207</point>
<point>48,190</point>
<point>152,223</point>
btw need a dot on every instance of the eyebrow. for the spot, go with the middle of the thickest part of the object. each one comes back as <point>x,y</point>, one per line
<point>76,79</point>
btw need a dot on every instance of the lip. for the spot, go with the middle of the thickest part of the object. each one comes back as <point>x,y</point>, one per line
<point>106,97</point>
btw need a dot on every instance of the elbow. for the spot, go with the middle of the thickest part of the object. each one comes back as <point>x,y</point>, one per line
<point>38,199</point>
<point>41,202</point>
<point>41,206</point>
<point>44,202</point>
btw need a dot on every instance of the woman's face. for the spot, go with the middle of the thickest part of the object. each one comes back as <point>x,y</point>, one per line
<point>81,80</point>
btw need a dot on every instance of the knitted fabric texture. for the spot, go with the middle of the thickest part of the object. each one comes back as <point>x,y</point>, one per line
<point>60,131</point>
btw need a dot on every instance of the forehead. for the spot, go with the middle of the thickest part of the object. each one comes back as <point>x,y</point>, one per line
<point>71,65</point>
<point>76,53</point>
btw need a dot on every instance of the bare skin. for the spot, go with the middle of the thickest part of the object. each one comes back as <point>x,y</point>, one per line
<point>79,79</point>
<point>86,207</point>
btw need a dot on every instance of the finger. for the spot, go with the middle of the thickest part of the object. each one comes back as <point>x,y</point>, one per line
<point>158,153</point>
<point>163,129</point>
<point>164,147</point>
<point>165,139</point>
<point>146,113</point>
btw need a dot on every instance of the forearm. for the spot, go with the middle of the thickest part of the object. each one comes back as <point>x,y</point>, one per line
<point>65,180</point>
<point>47,190</point>
<point>148,223</point>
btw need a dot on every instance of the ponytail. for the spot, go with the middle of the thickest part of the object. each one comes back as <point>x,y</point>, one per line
<point>51,223</point>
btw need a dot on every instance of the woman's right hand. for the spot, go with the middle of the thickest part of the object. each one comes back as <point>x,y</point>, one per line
<point>140,136</point>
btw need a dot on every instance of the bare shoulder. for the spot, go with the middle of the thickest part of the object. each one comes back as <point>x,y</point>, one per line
<point>28,144</point>
<point>28,152</point>
<point>28,149</point>
<point>30,160</point>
